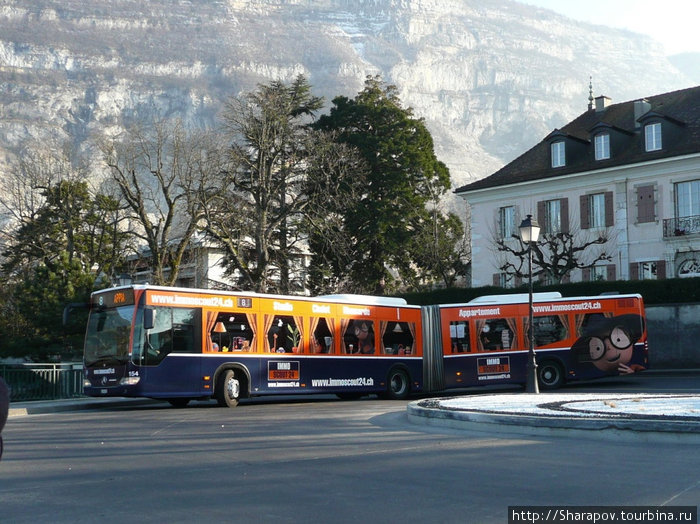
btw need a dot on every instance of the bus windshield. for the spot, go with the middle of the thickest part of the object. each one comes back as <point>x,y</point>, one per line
<point>107,337</point>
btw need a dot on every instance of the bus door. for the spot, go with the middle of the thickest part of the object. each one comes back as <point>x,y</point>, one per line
<point>171,360</point>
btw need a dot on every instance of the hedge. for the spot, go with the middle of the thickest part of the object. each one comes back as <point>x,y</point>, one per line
<point>668,291</point>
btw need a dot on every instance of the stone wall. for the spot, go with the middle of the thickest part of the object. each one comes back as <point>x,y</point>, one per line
<point>674,336</point>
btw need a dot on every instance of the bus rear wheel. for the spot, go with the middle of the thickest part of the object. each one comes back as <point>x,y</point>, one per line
<point>398,385</point>
<point>550,374</point>
<point>228,390</point>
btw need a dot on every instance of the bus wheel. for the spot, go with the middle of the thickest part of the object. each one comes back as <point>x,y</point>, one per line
<point>178,402</point>
<point>228,390</point>
<point>550,374</point>
<point>398,385</point>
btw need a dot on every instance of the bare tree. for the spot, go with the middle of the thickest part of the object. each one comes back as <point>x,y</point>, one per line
<point>21,197</point>
<point>50,211</point>
<point>166,175</point>
<point>555,255</point>
<point>439,247</point>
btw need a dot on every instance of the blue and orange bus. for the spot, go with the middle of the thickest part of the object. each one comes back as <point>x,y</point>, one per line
<point>181,344</point>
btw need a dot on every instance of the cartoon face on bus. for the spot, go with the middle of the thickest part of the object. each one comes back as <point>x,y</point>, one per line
<point>608,343</point>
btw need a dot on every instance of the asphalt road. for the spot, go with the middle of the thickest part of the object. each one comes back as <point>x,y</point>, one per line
<point>321,460</point>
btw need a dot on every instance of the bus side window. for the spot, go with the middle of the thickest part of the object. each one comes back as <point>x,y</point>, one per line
<point>358,336</point>
<point>582,321</point>
<point>398,337</point>
<point>550,329</point>
<point>459,336</point>
<point>496,334</point>
<point>284,334</point>
<point>183,330</point>
<point>233,332</point>
<point>321,335</point>
<point>159,339</point>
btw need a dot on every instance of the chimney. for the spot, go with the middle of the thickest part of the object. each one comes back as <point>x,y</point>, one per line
<point>601,102</point>
<point>641,108</point>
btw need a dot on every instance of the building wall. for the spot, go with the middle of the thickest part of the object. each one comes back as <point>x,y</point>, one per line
<point>630,241</point>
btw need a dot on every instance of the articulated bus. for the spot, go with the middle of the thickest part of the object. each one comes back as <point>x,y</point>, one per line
<point>181,344</point>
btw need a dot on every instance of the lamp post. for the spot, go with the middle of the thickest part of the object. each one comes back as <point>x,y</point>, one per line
<point>529,232</point>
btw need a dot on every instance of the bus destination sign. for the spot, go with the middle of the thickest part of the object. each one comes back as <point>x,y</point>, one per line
<point>114,298</point>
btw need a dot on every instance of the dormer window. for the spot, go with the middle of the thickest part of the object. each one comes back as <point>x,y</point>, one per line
<point>558,154</point>
<point>652,137</point>
<point>602,146</point>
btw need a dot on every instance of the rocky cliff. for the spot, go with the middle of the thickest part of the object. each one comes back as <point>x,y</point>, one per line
<point>490,77</point>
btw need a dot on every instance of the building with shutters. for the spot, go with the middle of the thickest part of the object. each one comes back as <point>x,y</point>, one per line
<point>629,170</point>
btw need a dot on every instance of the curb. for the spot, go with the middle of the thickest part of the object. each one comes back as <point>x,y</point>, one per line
<point>428,412</point>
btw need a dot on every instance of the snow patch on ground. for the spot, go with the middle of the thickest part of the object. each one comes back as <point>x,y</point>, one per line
<point>579,405</point>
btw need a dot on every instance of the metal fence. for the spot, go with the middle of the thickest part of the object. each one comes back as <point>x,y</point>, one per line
<point>43,381</point>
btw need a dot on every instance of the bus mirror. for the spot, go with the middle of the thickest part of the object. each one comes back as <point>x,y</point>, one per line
<point>148,318</point>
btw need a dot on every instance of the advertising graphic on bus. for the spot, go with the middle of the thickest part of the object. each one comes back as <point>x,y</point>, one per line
<point>182,344</point>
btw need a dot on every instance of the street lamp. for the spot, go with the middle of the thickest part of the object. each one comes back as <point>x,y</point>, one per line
<point>529,232</point>
<point>124,280</point>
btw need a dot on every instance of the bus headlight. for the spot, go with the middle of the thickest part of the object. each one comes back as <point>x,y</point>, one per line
<point>129,381</point>
<point>86,383</point>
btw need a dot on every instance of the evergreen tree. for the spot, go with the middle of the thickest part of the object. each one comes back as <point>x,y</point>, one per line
<point>403,175</point>
<point>283,177</point>
<point>51,259</point>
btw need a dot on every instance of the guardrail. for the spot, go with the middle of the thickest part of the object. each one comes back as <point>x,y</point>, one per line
<point>43,381</point>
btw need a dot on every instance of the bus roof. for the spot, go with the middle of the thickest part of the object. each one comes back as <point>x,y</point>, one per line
<point>364,299</point>
<point>523,298</point>
<point>515,298</point>
<point>347,298</point>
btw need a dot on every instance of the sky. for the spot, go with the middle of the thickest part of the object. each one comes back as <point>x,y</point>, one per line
<point>673,23</point>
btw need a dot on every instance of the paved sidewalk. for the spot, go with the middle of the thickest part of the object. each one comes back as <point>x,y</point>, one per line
<point>37,407</point>
<point>620,416</point>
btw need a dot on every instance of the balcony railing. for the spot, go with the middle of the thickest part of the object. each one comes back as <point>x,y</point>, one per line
<point>677,227</point>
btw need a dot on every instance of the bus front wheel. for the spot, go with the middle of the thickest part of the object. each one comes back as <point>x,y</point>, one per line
<point>398,385</point>
<point>550,374</point>
<point>228,390</point>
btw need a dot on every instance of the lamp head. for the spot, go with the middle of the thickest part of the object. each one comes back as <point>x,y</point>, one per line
<point>529,230</point>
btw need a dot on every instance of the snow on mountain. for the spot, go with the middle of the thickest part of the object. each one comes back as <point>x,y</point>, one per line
<point>490,77</point>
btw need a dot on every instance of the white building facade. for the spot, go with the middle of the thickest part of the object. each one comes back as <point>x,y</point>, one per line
<point>628,171</point>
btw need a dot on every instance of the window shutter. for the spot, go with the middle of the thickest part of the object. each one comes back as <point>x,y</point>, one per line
<point>499,224</point>
<point>541,216</point>
<point>634,271</point>
<point>660,269</point>
<point>609,209</point>
<point>611,273</point>
<point>586,274</point>
<point>564,203</point>
<point>585,212</point>
<point>645,204</point>
<point>497,279</point>
<point>518,281</point>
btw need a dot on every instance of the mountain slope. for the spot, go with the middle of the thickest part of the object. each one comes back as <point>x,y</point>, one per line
<point>490,77</point>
